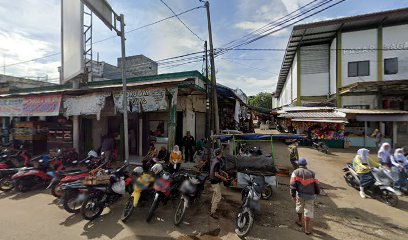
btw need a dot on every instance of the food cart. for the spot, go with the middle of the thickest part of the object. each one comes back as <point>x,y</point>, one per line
<point>255,154</point>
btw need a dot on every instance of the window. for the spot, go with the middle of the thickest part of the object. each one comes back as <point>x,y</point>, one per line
<point>390,66</point>
<point>358,69</point>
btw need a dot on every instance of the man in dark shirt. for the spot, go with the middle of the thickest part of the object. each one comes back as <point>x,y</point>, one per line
<point>216,177</point>
<point>163,154</point>
<point>188,143</point>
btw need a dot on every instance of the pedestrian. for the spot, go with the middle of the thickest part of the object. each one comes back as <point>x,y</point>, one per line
<point>163,155</point>
<point>152,153</point>
<point>107,147</point>
<point>175,159</point>
<point>188,144</point>
<point>398,173</point>
<point>378,136</point>
<point>294,154</point>
<point>216,177</point>
<point>303,188</point>
<point>384,155</point>
<point>362,165</point>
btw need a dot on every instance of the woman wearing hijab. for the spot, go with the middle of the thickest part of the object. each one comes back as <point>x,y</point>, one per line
<point>384,155</point>
<point>398,163</point>
<point>175,159</point>
<point>362,165</point>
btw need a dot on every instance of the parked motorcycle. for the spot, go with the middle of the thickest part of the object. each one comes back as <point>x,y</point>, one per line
<point>28,178</point>
<point>101,196</point>
<point>190,189</point>
<point>140,188</point>
<point>165,188</point>
<point>62,177</point>
<point>382,188</point>
<point>321,147</point>
<point>250,204</point>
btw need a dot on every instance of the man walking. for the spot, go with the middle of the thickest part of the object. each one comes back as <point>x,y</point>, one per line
<point>303,189</point>
<point>188,143</point>
<point>216,177</point>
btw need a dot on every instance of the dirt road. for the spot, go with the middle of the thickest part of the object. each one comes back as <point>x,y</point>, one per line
<point>340,213</point>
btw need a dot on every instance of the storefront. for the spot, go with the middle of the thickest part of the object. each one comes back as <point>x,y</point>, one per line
<point>363,123</point>
<point>324,126</point>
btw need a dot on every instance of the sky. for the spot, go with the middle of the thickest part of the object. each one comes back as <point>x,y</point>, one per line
<point>30,29</point>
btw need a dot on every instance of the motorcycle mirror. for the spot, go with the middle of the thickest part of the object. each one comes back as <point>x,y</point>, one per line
<point>87,161</point>
<point>59,150</point>
<point>75,162</point>
<point>102,154</point>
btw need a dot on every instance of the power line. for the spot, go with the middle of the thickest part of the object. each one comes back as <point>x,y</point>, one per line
<point>314,50</point>
<point>185,25</point>
<point>270,30</point>
<point>248,66</point>
<point>105,39</point>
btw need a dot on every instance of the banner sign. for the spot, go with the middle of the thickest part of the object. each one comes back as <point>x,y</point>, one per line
<point>90,104</point>
<point>48,105</point>
<point>142,100</point>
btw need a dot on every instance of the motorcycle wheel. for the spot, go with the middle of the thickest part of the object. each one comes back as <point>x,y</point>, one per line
<point>180,212</point>
<point>349,179</point>
<point>91,208</point>
<point>244,222</point>
<point>128,210</point>
<point>71,203</point>
<point>20,187</point>
<point>390,198</point>
<point>153,208</point>
<point>267,193</point>
<point>57,191</point>
<point>6,184</point>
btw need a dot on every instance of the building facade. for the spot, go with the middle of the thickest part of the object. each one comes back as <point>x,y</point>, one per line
<point>358,62</point>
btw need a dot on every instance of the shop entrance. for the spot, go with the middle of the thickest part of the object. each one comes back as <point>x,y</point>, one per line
<point>179,128</point>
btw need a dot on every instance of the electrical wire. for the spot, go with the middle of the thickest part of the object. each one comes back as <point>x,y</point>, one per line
<point>105,39</point>
<point>185,25</point>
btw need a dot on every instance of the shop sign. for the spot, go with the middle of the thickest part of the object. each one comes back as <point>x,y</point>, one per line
<point>90,104</point>
<point>48,105</point>
<point>142,100</point>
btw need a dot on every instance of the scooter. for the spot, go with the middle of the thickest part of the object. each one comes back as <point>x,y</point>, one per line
<point>382,188</point>
<point>165,188</point>
<point>250,204</point>
<point>62,177</point>
<point>321,147</point>
<point>190,189</point>
<point>26,179</point>
<point>100,197</point>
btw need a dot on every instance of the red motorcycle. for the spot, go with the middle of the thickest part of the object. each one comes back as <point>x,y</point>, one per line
<point>165,188</point>
<point>63,177</point>
<point>28,178</point>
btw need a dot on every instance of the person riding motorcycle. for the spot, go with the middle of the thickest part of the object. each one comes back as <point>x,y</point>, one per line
<point>398,171</point>
<point>362,164</point>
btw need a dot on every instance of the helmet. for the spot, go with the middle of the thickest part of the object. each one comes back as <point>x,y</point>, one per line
<point>138,171</point>
<point>157,168</point>
<point>92,153</point>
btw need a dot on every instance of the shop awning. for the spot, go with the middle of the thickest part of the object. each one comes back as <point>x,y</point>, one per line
<point>382,118</point>
<point>319,120</point>
<point>313,115</point>
<point>44,105</point>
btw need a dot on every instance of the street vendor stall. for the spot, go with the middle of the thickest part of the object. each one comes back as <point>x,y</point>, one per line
<point>255,154</point>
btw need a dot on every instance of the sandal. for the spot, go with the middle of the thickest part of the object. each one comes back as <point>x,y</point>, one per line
<point>299,224</point>
<point>308,233</point>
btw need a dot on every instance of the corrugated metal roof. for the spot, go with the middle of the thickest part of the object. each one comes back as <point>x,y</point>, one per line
<point>297,109</point>
<point>319,120</point>
<point>325,32</point>
<point>315,115</point>
<point>371,111</point>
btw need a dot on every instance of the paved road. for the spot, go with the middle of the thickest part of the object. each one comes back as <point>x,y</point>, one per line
<point>340,212</point>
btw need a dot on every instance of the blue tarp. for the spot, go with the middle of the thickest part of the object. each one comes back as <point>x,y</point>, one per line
<point>252,137</point>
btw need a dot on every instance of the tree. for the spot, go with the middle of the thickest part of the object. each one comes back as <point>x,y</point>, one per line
<point>262,100</point>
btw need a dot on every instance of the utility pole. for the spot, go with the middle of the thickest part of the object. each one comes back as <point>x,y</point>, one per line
<point>213,77</point>
<point>124,90</point>
<point>208,112</point>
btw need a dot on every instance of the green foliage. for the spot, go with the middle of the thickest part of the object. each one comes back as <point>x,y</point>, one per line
<point>262,100</point>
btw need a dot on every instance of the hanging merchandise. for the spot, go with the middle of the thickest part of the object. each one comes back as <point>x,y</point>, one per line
<point>90,104</point>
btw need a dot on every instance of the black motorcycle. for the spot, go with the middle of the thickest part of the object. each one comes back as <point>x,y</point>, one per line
<point>190,189</point>
<point>101,196</point>
<point>250,204</point>
<point>321,147</point>
<point>74,195</point>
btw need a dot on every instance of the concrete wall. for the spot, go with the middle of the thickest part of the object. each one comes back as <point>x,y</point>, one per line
<point>139,65</point>
<point>367,40</point>
<point>371,100</point>
<point>189,105</point>
<point>395,38</point>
